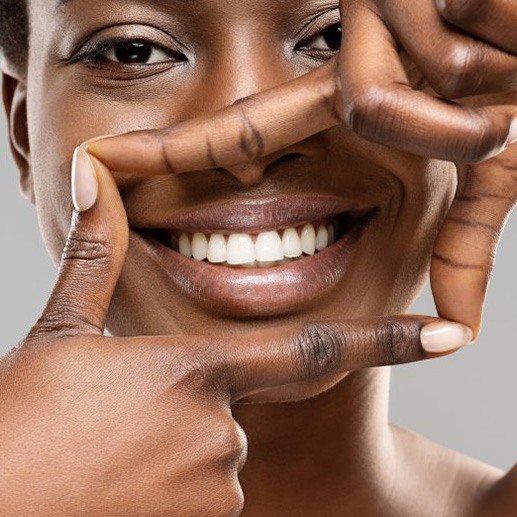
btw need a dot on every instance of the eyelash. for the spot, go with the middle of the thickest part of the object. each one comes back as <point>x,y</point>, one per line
<point>303,46</point>
<point>94,53</point>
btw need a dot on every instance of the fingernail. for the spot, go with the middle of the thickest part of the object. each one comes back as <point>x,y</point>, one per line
<point>512,133</point>
<point>444,336</point>
<point>85,187</point>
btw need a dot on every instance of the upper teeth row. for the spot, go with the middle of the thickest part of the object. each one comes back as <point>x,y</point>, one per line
<point>266,247</point>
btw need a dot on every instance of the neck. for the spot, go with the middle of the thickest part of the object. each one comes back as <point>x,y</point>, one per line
<point>337,446</point>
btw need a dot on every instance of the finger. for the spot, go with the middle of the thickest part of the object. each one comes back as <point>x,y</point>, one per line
<point>465,249</point>
<point>454,63</point>
<point>92,257</point>
<point>381,106</point>
<point>378,104</point>
<point>246,131</point>
<point>291,355</point>
<point>491,20</point>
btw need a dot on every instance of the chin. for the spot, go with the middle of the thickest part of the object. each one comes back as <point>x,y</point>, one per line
<point>294,392</point>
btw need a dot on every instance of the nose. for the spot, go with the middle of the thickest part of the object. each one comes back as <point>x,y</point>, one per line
<point>250,174</point>
<point>247,62</point>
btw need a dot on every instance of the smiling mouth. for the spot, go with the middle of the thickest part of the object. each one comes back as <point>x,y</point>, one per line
<point>257,258</point>
<point>264,249</point>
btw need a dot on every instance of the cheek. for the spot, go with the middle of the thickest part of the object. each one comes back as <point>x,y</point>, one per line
<point>60,119</point>
<point>427,194</point>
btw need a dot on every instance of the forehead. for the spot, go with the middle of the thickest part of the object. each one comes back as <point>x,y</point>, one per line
<point>181,5</point>
<point>54,20</point>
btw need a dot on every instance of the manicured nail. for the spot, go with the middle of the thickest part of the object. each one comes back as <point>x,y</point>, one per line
<point>444,336</point>
<point>512,134</point>
<point>85,187</point>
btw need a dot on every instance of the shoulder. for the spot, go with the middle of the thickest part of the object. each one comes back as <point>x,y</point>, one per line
<point>434,481</point>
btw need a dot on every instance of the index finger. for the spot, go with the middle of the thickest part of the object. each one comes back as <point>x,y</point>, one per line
<point>248,130</point>
<point>290,355</point>
<point>369,91</point>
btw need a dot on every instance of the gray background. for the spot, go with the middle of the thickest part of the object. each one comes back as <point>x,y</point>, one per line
<point>466,402</point>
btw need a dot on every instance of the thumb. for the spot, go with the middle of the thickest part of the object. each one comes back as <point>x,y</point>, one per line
<point>93,255</point>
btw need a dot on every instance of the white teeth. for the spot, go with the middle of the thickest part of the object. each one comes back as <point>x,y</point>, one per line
<point>322,238</point>
<point>268,247</point>
<point>240,250</point>
<point>184,246</point>
<point>308,239</point>
<point>216,249</point>
<point>199,246</point>
<point>291,244</point>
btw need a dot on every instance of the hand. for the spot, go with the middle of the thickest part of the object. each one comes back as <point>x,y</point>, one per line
<point>455,47</point>
<point>463,48</point>
<point>131,426</point>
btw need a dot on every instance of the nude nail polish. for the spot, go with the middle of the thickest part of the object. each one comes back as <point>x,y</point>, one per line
<point>85,187</point>
<point>444,336</point>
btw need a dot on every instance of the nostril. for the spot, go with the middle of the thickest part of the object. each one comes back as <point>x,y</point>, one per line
<point>288,159</point>
<point>287,162</point>
<point>251,173</point>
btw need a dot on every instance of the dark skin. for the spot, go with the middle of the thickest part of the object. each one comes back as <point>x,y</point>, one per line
<point>334,454</point>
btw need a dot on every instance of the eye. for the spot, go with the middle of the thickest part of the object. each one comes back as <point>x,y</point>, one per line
<point>126,52</point>
<point>136,52</point>
<point>329,40</point>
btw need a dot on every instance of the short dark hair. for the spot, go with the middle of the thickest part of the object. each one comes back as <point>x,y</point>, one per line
<point>14,32</point>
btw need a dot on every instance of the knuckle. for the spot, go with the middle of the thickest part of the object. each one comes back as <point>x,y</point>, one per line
<point>484,137</point>
<point>395,341</point>
<point>332,96</point>
<point>60,322</point>
<point>85,246</point>
<point>318,349</point>
<point>373,110</point>
<point>231,446</point>
<point>62,319</point>
<point>457,75</point>
<point>251,141</point>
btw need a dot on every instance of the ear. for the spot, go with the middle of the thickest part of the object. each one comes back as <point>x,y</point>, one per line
<point>14,92</point>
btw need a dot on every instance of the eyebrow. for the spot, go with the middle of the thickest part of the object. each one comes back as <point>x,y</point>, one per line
<point>64,3</point>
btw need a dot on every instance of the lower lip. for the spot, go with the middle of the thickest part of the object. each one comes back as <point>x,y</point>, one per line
<point>261,292</point>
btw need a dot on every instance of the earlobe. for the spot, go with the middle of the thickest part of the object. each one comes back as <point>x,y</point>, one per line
<point>14,92</point>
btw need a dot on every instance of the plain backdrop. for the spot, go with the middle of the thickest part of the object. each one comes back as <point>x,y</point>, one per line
<point>466,401</point>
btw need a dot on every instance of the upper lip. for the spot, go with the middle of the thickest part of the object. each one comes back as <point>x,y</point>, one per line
<point>258,215</point>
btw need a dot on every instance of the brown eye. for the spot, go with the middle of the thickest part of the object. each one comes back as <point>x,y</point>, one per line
<point>136,53</point>
<point>328,40</point>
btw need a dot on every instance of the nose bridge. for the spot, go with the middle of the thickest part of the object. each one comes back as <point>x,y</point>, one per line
<point>251,61</point>
<point>242,62</point>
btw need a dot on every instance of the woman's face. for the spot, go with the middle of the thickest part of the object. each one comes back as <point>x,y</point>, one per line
<point>91,73</point>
